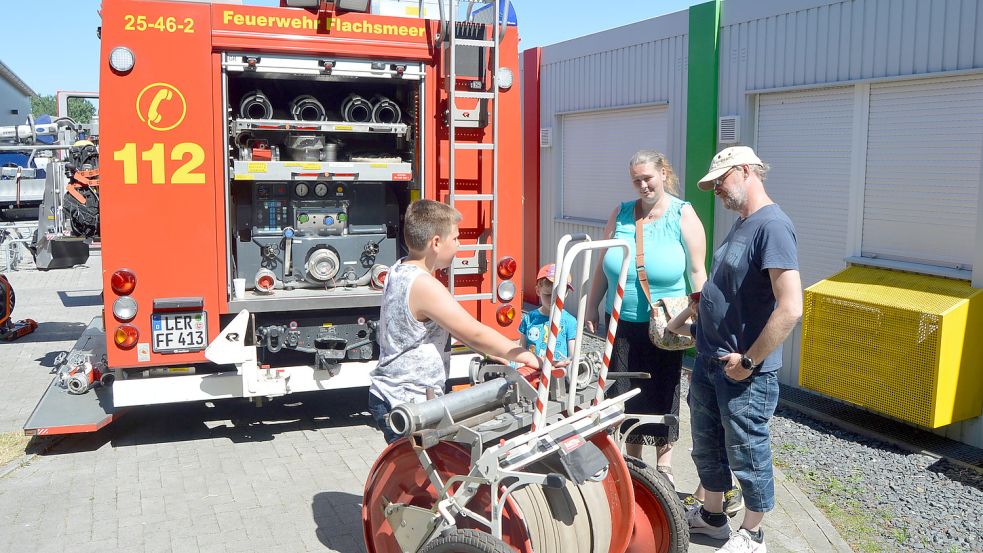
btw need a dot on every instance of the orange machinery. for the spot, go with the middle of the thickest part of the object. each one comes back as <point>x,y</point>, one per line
<point>256,163</point>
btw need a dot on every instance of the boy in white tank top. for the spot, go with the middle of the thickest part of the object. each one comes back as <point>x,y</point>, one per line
<point>419,316</point>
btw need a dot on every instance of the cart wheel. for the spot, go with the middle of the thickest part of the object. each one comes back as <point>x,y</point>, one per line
<point>398,477</point>
<point>466,541</point>
<point>660,525</point>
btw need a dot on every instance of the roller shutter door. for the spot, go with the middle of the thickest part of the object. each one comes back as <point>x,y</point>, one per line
<point>806,138</point>
<point>924,146</point>
<point>596,149</point>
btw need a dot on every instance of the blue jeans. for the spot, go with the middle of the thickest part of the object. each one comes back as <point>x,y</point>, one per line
<point>379,408</point>
<point>730,431</point>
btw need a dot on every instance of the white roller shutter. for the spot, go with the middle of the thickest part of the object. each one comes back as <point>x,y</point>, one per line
<point>925,140</point>
<point>596,149</point>
<point>806,138</point>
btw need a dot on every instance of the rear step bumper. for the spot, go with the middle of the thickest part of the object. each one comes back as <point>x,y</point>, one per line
<point>60,412</point>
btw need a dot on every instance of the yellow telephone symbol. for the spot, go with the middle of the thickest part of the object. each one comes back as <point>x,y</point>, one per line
<point>160,113</point>
<point>153,114</point>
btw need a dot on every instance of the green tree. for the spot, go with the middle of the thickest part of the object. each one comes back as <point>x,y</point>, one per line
<point>78,108</point>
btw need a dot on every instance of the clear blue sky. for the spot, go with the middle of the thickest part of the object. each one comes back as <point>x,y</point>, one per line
<point>51,44</point>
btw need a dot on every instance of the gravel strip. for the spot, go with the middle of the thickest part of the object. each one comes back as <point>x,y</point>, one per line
<point>880,497</point>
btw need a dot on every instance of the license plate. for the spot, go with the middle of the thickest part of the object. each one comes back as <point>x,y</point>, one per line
<point>179,332</point>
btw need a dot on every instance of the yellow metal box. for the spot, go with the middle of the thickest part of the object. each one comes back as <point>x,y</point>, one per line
<point>909,346</point>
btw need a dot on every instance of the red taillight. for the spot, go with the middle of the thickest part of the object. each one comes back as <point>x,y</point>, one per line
<point>123,282</point>
<point>507,267</point>
<point>126,336</point>
<point>505,315</point>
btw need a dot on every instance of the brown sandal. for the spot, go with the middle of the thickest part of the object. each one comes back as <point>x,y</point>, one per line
<point>666,471</point>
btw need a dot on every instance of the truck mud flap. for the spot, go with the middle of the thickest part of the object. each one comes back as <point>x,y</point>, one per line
<point>60,253</point>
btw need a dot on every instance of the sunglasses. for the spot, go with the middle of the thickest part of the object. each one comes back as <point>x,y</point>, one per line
<point>720,180</point>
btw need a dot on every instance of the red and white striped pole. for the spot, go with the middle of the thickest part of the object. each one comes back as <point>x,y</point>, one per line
<point>546,372</point>
<point>559,296</point>
<point>612,326</point>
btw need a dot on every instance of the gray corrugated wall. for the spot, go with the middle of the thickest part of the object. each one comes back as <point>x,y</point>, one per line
<point>641,63</point>
<point>13,99</point>
<point>835,42</point>
<point>766,44</point>
<point>843,41</point>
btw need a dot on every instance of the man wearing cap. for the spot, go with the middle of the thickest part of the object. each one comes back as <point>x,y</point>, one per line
<point>749,305</point>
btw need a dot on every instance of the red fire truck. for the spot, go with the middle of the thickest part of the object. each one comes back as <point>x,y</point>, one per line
<point>256,163</point>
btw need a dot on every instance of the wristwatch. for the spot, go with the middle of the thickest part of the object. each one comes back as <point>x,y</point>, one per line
<point>747,363</point>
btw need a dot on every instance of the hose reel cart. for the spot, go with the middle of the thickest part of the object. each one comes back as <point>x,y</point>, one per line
<point>524,460</point>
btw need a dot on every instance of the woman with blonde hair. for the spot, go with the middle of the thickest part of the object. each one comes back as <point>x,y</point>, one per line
<point>674,244</point>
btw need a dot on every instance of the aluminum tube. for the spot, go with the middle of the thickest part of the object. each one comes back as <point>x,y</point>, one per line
<point>32,148</point>
<point>385,110</point>
<point>408,418</point>
<point>255,105</point>
<point>307,108</point>
<point>356,109</point>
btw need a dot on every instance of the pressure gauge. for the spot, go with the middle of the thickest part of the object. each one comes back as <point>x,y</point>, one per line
<point>302,189</point>
<point>320,189</point>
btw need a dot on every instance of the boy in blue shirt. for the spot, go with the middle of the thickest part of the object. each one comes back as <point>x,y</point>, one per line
<point>535,325</point>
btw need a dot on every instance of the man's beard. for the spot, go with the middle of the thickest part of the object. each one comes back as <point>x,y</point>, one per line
<point>734,202</point>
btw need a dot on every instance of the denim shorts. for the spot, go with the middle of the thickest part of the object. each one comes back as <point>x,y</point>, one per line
<point>730,431</point>
<point>379,409</point>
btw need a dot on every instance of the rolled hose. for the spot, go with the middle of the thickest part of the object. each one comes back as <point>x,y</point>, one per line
<point>307,108</point>
<point>255,105</point>
<point>385,110</point>
<point>356,109</point>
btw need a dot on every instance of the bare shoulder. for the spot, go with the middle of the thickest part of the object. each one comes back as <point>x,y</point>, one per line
<point>688,215</point>
<point>614,214</point>
<point>427,294</point>
<point>426,286</point>
<point>609,226</point>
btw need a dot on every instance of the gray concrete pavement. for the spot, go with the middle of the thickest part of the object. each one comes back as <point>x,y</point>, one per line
<point>222,477</point>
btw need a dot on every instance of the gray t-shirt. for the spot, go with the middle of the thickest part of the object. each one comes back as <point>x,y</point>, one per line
<point>413,355</point>
<point>737,299</point>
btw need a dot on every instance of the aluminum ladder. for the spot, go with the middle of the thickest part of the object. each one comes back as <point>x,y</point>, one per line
<point>488,106</point>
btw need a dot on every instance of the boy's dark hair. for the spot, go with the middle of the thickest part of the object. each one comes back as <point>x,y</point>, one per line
<point>426,219</point>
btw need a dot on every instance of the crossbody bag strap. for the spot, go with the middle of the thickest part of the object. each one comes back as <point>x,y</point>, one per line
<point>643,278</point>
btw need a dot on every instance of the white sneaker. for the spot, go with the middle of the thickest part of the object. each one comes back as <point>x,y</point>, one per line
<point>741,542</point>
<point>699,526</point>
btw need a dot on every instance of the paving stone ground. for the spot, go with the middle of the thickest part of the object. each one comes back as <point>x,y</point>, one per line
<point>217,477</point>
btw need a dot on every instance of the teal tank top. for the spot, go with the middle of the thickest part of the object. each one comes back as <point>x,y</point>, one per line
<point>665,260</point>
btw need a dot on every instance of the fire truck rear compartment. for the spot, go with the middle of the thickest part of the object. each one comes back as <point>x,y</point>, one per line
<point>322,163</point>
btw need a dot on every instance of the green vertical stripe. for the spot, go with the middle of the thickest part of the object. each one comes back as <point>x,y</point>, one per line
<point>701,108</point>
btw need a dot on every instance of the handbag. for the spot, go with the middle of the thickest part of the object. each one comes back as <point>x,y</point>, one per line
<point>661,310</point>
